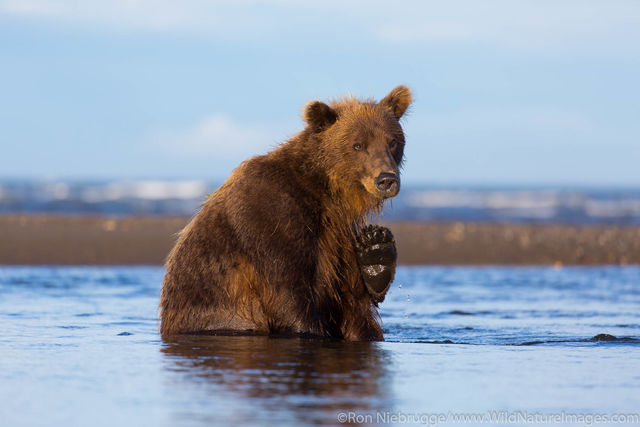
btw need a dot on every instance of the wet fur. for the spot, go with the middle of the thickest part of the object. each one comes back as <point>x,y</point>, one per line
<point>272,250</point>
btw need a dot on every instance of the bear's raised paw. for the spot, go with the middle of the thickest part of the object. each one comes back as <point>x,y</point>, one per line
<point>377,255</point>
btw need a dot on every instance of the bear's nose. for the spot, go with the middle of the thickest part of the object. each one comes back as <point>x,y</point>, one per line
<point>388,184</point>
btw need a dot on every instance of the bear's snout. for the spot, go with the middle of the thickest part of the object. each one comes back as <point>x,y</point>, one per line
<point>388,184</point>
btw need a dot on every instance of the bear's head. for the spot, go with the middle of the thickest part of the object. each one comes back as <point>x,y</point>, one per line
<point>361,144</point>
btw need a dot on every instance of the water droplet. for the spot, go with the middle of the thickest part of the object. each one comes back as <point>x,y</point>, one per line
<point>408,298</point>
<point>400,285</point>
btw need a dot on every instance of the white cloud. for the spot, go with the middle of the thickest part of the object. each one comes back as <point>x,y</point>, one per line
<point>556,25</point>
<point>547,24</point>
<point>186,15</point>
<point>217,135</point>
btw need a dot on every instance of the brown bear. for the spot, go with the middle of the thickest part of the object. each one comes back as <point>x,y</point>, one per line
<point>282,246</point>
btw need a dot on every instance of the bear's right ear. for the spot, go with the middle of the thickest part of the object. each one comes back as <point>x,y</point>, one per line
<point>319,115</point>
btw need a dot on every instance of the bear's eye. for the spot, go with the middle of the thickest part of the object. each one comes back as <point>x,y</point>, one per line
<point>393,143</point>
<point>357,146</point>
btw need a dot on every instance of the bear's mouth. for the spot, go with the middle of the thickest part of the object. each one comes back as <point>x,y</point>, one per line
<point>389,194</point>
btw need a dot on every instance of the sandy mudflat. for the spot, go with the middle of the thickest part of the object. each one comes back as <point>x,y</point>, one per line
<point>146,240</point>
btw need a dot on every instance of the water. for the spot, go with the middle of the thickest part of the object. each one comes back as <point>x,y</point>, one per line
<point>79,346</point>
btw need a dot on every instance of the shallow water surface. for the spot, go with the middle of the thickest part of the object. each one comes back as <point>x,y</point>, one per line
<point>79,346</point>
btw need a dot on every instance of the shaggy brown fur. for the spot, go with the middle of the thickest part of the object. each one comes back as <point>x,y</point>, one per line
<point>272,250</point>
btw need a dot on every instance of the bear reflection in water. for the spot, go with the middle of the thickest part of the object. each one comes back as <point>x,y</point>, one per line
<point>327,376</point>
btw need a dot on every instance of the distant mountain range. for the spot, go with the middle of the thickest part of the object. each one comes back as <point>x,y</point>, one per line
<point>422,203</point>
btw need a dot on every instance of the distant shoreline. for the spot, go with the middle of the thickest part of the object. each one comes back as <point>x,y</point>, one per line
<point>87,240</point>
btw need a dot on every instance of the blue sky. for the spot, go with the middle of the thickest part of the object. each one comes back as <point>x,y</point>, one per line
<point>506,92</point>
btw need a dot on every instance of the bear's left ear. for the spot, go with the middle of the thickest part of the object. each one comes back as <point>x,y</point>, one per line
<point>398,100</point>
<point>319,115</point>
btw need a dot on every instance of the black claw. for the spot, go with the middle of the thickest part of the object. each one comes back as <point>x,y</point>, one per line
<point>373,234</point>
